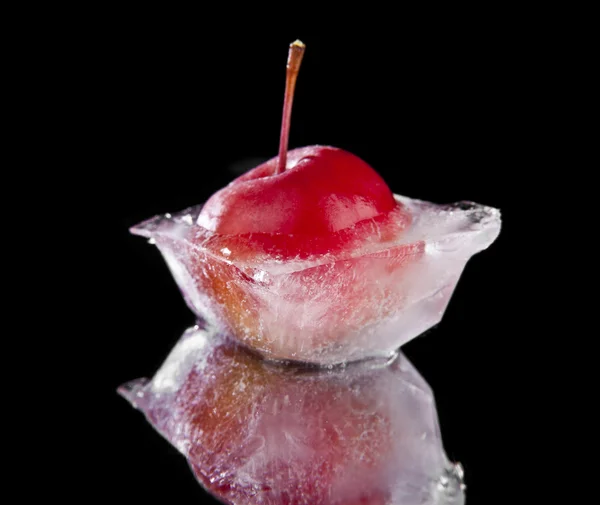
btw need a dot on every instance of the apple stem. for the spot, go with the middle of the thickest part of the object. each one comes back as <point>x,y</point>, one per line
<point>293,66</point>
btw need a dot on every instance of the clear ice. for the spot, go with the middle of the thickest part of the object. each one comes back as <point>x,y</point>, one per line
<point>363,302</point>
<point>259,433</point>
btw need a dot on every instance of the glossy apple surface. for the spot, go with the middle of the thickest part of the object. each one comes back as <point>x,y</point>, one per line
<point>323,192</point>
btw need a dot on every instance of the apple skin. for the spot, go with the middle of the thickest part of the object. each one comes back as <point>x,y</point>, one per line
<point>322,191</point>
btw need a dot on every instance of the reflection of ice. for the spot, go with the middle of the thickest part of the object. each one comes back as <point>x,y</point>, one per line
<point>329,308</point>
<point>257,432</point>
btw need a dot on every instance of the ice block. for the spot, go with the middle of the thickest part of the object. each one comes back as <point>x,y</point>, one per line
<point>259,433</point>
<point>364,300</point>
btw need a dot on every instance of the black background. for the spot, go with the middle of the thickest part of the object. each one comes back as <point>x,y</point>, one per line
<point>162,113</point>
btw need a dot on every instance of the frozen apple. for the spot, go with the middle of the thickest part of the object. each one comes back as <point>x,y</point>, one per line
<point>258,433</point>
<point>311,257</point>
<point>364,300</point>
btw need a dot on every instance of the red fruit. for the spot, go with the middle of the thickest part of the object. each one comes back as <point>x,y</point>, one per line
<point>323,190</point>
<point>319,205</point>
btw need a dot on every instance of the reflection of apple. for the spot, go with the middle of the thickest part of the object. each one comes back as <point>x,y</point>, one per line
<point>304,204</point>
<point>298,435</point>
<point>254,432</point>
<point>293,439</point>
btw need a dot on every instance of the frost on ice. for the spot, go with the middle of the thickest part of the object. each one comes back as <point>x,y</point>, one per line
<point>363,301</point>
<point>258,433</point>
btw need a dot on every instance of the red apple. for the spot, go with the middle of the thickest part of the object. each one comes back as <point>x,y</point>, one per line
<point>310,203</point>
<point>322,191</point>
